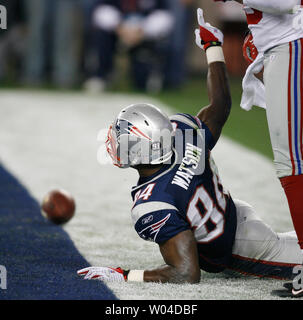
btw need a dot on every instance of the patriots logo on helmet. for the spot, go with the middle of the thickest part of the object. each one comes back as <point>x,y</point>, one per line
<point>125,127</point>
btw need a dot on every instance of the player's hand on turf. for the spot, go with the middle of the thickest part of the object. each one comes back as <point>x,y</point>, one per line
<point>103,274</point>
<point>207,35</point>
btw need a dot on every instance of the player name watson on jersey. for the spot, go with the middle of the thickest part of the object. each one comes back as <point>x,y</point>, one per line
<point>187,194</point>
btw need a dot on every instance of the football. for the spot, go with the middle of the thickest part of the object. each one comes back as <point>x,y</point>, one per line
<point>58,206</point>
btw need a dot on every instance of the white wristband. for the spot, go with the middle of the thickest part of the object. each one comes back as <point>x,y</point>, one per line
<point>215,54</point>
<point>135,275</point>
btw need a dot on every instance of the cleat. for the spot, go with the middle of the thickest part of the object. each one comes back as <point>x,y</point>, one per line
<point>282,293</point>
<point>297,293</point>
<point>288,292</point>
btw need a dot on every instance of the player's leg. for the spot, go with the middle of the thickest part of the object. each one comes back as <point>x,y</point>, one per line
<point>283,72</point>
<point>260,251</point>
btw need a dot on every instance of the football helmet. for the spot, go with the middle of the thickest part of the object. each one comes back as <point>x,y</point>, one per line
<point>140,134</point>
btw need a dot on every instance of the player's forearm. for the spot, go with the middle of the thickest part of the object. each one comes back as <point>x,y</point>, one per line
<point>170,274</point>
<point>272,6</point>
<point>216,114</point>
<point>180,255</point>
<point>218,90</point>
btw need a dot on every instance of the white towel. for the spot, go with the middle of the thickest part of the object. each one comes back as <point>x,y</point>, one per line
<point>253,88</point>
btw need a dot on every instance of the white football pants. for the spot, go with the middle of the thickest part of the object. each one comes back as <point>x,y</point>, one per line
<point>260,251</point>
<point>283,79</point>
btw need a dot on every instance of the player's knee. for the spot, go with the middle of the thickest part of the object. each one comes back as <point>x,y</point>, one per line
<point>254,239</point>
<point>286,166</point>
<point>286,171</point>
<point>245,211</point>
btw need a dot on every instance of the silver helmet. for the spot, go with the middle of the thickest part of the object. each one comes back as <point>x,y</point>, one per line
<point>140,134</point>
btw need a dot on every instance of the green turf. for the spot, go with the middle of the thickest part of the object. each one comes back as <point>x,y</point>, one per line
<point>248,128</point>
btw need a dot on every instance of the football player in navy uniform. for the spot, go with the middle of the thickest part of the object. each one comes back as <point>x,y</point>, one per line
<point>179,201</point>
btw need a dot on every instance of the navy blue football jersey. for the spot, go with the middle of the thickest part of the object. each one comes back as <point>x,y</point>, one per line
<point>187,194</point>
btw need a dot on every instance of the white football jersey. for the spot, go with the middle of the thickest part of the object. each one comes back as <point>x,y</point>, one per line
<point>271,25</point>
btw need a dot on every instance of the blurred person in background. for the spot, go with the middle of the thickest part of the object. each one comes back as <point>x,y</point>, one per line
<point>88,56</point>
<point>54,42</point>
<point>142,28</point>
<point>176,67</point>
<point>12,41</point>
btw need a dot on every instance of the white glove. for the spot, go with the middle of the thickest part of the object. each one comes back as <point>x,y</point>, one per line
<point>103,274</point>
<point>207,35</point>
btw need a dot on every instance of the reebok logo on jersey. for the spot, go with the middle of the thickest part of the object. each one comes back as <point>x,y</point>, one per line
<point>148,219</point>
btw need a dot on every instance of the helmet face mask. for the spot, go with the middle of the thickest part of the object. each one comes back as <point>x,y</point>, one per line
<point>141,134</point>
<point>111,146</point>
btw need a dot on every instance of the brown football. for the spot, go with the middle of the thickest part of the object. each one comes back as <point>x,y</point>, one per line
<point>58,206</point>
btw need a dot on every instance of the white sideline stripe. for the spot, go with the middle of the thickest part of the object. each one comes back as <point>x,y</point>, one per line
<point>149,207</point>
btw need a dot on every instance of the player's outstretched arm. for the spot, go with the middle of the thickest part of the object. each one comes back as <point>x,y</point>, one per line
<point>210,39</point>
<point>216,113</point>
<point>181,258</point>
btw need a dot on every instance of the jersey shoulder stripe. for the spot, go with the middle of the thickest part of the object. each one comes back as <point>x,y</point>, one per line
<point>195,123</point>
<point>148,207</point>
<point>189,120</point>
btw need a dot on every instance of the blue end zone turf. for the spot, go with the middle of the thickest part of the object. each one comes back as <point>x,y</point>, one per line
<point>40,258</point>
